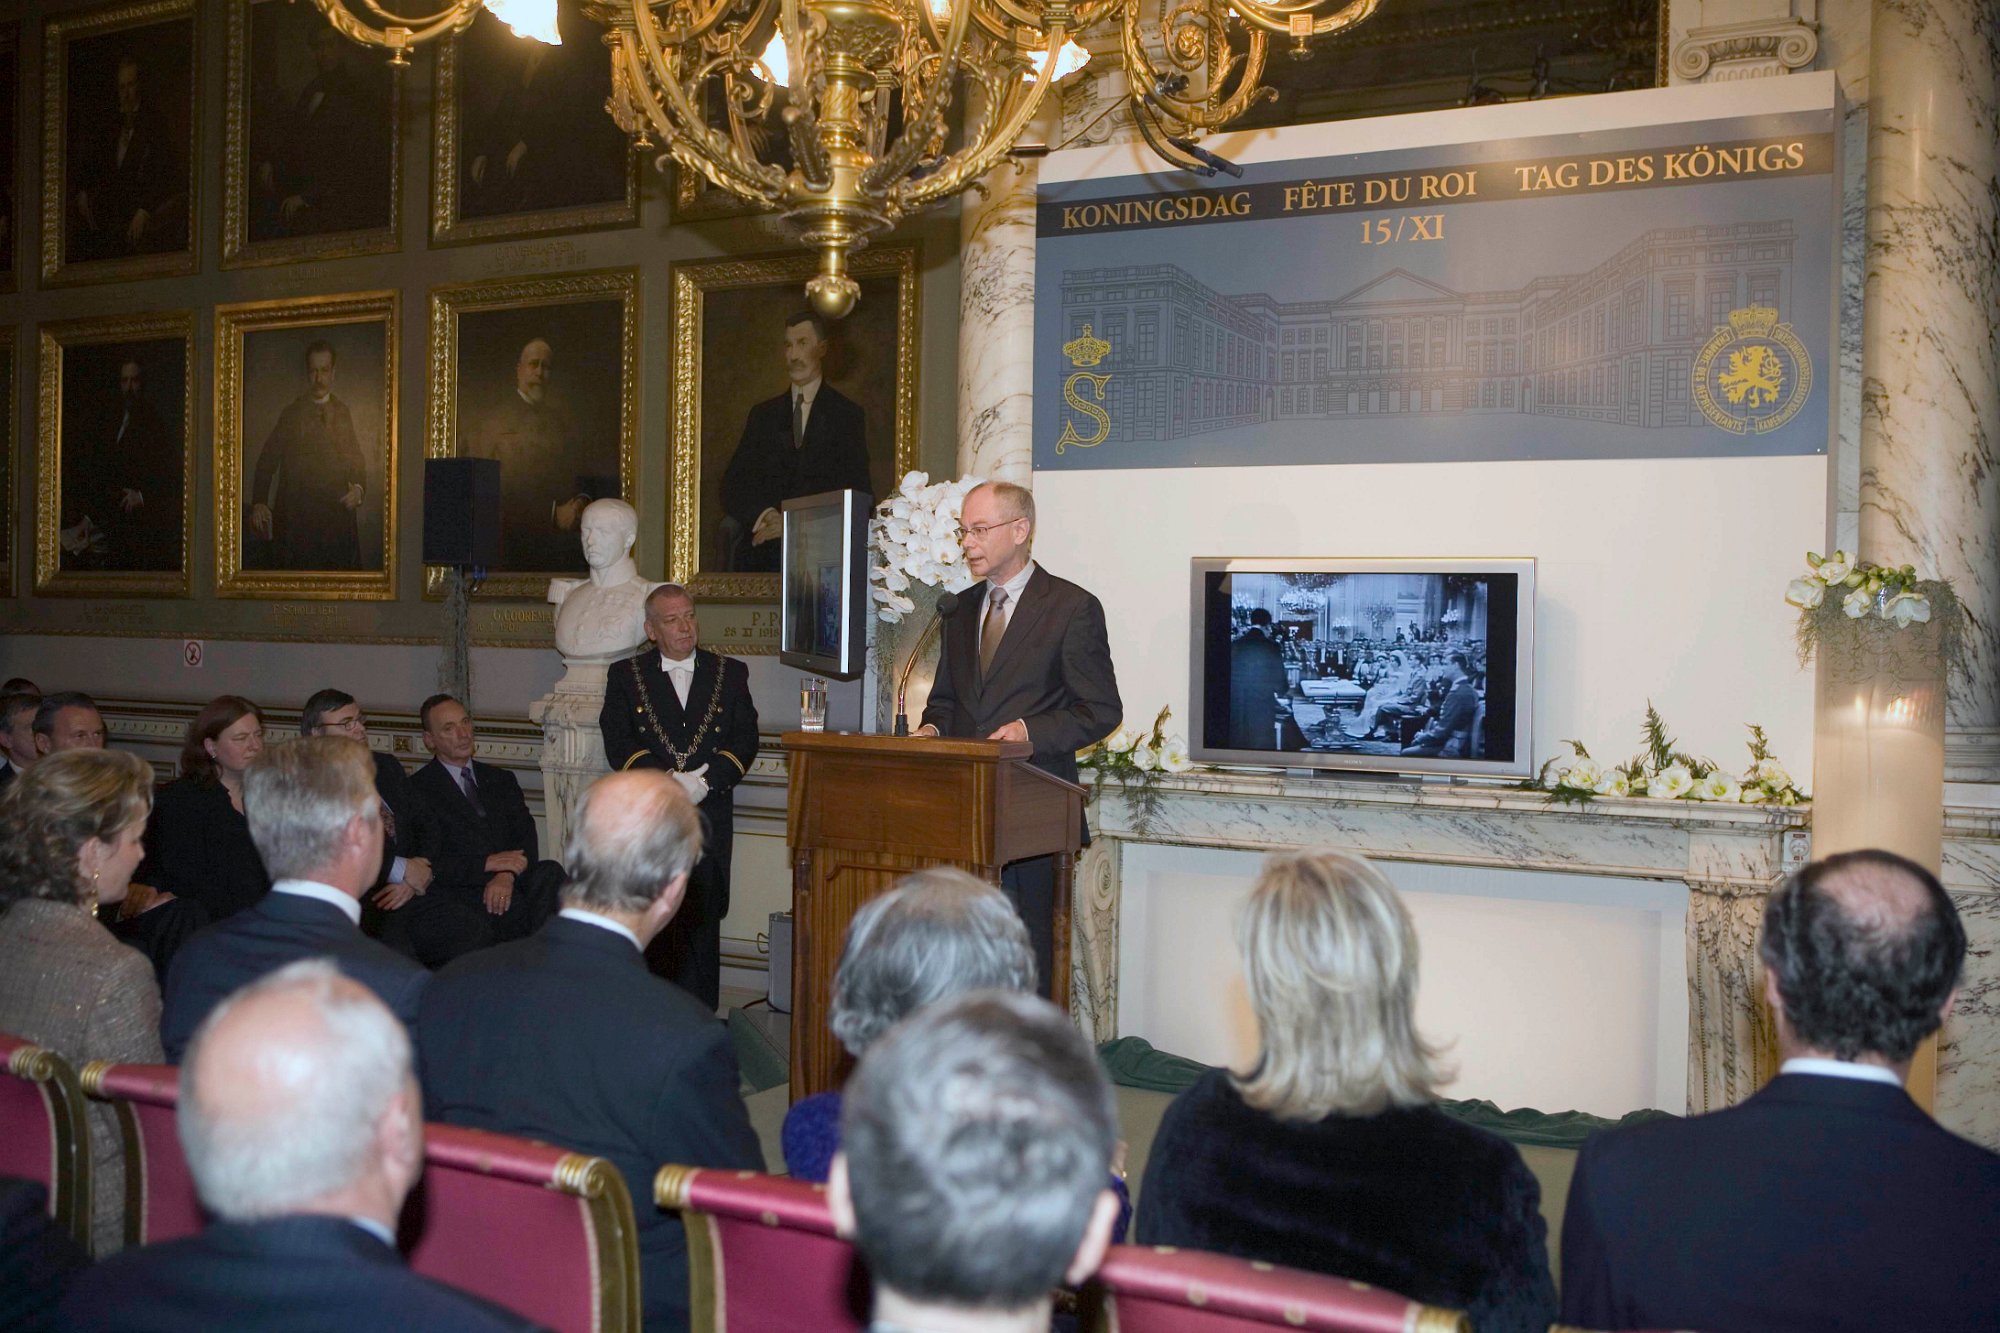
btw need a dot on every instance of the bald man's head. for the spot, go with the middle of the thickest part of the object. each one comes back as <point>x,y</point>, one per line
<point>1865,949</point>
<point>634,837</point>
<point>297,1090</point>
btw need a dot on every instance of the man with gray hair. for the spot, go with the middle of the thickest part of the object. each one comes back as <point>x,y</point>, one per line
<point>304,1132</point>
<point>316,819</point>
<point>566,1036</point>
<point>972,1174</point>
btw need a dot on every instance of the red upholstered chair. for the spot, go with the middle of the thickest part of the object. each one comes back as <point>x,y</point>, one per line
<point>762,1256</point>
<point>1164,1290</point>
<point>546,1233</point>
<point>160,1201</point>
<point>43,1133</point>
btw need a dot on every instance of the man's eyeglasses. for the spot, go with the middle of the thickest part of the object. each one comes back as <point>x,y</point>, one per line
<point>350,724</point>
<point>980,530</point>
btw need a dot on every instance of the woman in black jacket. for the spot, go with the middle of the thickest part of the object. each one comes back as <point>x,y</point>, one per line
<point>198,844</point>
<point>1331,1154</point>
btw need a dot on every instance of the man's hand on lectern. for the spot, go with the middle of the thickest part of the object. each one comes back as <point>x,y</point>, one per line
<point>1017,730</point>
<point>926,730</point>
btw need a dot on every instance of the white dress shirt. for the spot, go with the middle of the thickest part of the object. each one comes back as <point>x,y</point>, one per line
<point>806,393</point>
<point>602,923</point>
<point>680,670</point>
<point>326,893</point>
<point>1014,588</point>
<point>1840,1069</point>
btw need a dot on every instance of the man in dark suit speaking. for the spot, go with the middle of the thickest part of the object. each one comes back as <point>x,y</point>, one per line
<point>1025,659</point>
<point>1829,1200</point>
<point>808,439</point>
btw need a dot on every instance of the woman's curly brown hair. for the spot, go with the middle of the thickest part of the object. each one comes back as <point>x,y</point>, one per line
<point>51,810</point>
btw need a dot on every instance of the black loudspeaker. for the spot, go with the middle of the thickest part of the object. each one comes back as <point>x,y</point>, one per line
<point>462,512</point>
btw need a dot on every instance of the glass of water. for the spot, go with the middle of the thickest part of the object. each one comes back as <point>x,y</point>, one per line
<point>812,704</point>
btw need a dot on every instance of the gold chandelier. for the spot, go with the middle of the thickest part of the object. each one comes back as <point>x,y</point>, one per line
<point>866,90</point>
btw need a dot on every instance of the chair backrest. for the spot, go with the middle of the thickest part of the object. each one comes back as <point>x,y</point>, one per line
<point>1160,1289</point>
<point>762,1254</point>
<point>546,1233</point>
<point>160,1199</point>
<point>43,1133</point>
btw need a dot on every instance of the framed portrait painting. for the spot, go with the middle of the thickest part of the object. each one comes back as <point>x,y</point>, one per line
<point>10,166</point>
<point>115,436</point>
<point>305,448</point>
<point>120,125</point>
<point>523,145</point>
<point>540,374</point>
<point>310,167</point>
<point>772,402</point>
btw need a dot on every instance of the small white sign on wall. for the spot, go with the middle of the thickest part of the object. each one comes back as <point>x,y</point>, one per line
<point>193,651</point>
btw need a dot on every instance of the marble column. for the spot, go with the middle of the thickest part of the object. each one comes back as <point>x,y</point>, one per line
<point>996,327</point>
<point>1930,427</point>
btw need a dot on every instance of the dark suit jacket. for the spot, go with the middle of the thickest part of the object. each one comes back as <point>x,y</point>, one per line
<point>1256,679</point>
<point>1053,671</point>
<point>301,1274</point>
<point>1408,1199</point>
<point>462,837</point>
<point>198,847</point>
<point>567,1038</point>
<point>727,746</point>
<point>281,929</point>
<point>765,471</point>
<point>1819,1204</point>
<point>307,463</point>
<point>414,833</point>
<point>37,1261</point>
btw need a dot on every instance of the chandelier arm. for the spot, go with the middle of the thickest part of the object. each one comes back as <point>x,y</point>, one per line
<point>920,128</point>
<point>721,167</point>
<point>801,121</point>
<point>397,34</point>
<point>976,161</point>
<point>1276,17</point>
<point>704,22</point>
<point>1206,112</point>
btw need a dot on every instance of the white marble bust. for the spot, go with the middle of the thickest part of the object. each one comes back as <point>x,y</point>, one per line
<point>602,618</point>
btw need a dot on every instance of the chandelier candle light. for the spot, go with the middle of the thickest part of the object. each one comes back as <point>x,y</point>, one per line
<point>866,90</point>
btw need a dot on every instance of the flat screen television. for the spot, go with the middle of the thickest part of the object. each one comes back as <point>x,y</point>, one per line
<point>1405,666</point>
<point>823,615</point>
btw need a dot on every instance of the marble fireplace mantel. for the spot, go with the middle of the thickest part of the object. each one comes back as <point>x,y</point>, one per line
<point>1728,856</point>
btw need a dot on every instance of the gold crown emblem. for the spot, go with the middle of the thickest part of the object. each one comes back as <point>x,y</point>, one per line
<point>1086,349</point>
<point>1755,321</point>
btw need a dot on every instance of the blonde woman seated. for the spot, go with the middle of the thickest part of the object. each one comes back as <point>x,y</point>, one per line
<point>69,840</point>
<point>1331,1153</point>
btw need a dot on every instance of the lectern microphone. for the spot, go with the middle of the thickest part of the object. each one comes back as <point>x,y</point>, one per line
<point>947,605</point>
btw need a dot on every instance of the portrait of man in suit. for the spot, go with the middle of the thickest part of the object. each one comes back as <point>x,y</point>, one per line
<point>532,133</point>
<point>127,152</point>
<point>321,128</point>
<point>310,479</point>
<point>124,455</point>
<point>539,390</point>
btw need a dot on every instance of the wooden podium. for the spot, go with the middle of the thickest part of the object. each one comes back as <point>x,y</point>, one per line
<point>864,810</point>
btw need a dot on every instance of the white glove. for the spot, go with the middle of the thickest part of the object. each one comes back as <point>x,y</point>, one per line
<point>694,784</point>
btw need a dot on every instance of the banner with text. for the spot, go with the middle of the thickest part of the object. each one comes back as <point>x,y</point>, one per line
<point>1668,291</point>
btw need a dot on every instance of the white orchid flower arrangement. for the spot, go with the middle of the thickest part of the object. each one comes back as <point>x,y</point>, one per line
<point>1135,761</point>
<point>1840,596</point>
<point>1664,772</point>
<point>913,542</point>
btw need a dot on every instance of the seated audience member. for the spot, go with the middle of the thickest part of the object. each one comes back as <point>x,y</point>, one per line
<point>487,884</point>
<point>938,933</point>
<point>304,1132</point>
<point>198,844</point>
<point>38,1259</point>
<point>1829,1200</point>
<point>69,839</point>
<point>20,685</point>
<point>316,821</point>
<point>17,734</point>
<point>971,1174</point>
<point>566,1036</point>
<point>1450,733</point>
<point>1330,1153</point>
<point>406,870</point>
<point>67,720</point>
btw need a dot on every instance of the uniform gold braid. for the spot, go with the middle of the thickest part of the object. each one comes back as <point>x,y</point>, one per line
<point>674,752</point>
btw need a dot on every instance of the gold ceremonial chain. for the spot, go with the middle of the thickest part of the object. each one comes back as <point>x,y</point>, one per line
<point>678,755</point>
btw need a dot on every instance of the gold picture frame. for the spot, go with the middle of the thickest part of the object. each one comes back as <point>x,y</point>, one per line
<point>449,225</point>
<point>10,147</point>
<point>107,342</point>
<point>447,425</point>
<point>341,319</point>
<point>240,141</point>
<point>10,401</point>
<point>697,461</point>
<point>60,188</point>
